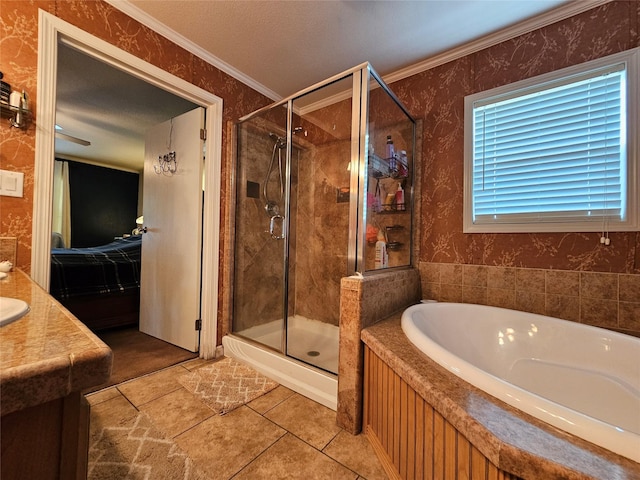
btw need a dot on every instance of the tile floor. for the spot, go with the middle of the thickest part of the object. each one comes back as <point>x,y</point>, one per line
<point>280,435</point>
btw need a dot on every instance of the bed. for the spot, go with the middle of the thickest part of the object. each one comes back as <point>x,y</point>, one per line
<point>99,285</point>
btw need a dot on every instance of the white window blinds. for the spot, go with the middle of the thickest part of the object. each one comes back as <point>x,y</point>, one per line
<point>552,153</point>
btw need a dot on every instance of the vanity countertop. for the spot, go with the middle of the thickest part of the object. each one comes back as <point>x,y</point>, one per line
<point>48,353</point>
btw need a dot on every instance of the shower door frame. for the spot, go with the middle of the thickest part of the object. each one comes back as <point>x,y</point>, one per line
<point>358,244</point>
<point>357,79</point>
<point>286,229</point>
<point>361,80</point>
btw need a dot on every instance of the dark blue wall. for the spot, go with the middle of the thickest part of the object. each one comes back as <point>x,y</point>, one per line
<point>104,204</point>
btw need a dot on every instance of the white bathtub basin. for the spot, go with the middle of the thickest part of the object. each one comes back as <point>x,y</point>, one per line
<point>581,379</point>
<point>12,309</point>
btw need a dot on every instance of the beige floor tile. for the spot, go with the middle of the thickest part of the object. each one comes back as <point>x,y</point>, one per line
<point>356,453</point>
<point>176,412</point>
<point>150,387</point>
<point>291,458</point>
<point>102,395</point>
<point>223,445</point>
<point>196,363</point>
<point>306,419</point>
<point>269,400</point>
<point>114,412</point>
<point>132,447</point>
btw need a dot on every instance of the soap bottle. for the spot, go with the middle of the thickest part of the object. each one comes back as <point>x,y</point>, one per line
<point>400,197</point>
<point>382,257</point>
<point>388,202</point>
<point>391,155</point>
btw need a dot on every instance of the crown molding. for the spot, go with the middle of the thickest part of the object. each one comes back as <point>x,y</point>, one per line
<point>575,7</point>
<point>145,19</point>
<point>561,13</point>
<point>539,21</point>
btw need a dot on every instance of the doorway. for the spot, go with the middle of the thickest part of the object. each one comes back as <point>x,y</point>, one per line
<point>106,122</point>
<point>53,30</point>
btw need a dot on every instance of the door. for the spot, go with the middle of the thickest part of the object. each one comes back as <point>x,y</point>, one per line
<point>258,289</point>
<point>171,247</point>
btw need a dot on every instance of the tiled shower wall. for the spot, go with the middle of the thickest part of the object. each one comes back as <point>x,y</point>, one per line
<point>319,231</point>
<point>608,300</point>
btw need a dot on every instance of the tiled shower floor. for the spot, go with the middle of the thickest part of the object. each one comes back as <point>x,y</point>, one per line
<point>279,435</point>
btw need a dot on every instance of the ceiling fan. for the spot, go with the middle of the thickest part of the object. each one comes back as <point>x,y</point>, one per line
<point>71,138</point>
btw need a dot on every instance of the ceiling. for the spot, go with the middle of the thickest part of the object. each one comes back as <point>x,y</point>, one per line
<point>108,108</point>
<point>289,45</point>
<point>278,48</point>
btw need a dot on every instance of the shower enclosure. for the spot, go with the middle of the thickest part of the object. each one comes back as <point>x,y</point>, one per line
<point>317,199</point>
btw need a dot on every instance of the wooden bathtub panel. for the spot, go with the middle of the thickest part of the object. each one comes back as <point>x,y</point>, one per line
<point>393,424</point>
<point>412,440</point>
<point>411,434</point>
<point>464,458</point>
<point>438,446</point>
<point>451,454</point>
<point>384,420</point>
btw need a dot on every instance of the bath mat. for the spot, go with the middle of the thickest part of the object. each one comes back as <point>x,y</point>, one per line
<point>227,384</point>
<point>132,448</point>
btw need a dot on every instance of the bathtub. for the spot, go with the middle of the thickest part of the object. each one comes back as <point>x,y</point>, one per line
<point>581,379</point>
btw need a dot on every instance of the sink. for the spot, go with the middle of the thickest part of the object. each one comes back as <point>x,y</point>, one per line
<point>12,309</point>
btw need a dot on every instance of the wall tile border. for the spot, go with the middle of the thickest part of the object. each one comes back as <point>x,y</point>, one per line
<point>607,300</point>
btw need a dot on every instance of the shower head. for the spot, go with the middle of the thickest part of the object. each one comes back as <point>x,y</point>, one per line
<point>280,142</point>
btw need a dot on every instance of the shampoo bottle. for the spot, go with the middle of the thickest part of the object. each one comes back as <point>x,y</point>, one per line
<point>382,257</point>
<point>400,197</point>
<point>391,155</point>
<point>390,152</point>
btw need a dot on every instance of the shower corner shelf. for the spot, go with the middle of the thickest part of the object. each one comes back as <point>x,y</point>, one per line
<point>379,168</point>
<point>392,210</point>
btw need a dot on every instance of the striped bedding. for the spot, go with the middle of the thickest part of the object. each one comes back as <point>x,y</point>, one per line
<point>108,269</point>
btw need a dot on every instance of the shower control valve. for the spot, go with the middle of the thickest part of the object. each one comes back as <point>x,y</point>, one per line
<point>272,208</point>
<point>272,227</point>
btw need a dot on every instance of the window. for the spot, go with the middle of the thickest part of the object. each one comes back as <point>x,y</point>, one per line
<point>557,152</point>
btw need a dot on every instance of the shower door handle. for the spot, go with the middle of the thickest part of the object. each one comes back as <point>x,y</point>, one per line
<point>272,227</point>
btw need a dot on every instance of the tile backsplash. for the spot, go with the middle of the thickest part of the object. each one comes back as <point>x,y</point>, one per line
<point>607,300</point>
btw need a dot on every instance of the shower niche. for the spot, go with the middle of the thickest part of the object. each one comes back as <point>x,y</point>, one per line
<point>317,199</point>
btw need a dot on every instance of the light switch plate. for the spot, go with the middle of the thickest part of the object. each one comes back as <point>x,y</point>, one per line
<point>11,183</point>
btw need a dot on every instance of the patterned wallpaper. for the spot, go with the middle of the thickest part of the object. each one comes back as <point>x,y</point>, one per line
<point>19,52</point>
<point>437,97</point>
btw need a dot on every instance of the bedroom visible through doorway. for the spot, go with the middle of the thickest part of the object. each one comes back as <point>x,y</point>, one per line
<point>54,32</point>
<point>103,115</point>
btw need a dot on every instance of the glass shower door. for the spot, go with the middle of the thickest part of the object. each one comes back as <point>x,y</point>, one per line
<point>260,245</point>
<point>319,222</point>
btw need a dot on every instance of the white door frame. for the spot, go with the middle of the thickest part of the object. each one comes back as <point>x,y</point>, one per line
<point>51,29</point>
